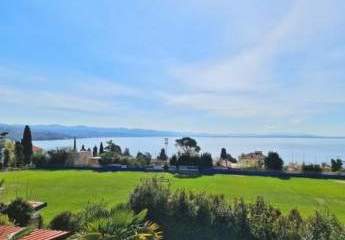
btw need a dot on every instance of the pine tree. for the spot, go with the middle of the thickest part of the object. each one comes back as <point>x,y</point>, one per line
<point>27,145</point>
<point>101,149</point>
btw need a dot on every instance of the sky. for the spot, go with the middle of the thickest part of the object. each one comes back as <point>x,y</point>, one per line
<point>217,66</point>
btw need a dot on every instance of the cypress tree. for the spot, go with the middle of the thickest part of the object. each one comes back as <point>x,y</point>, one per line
<point>101,149</point>
<point>27,145</point>
<point>95,151</point>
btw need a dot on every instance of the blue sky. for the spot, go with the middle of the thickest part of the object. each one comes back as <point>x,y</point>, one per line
<point>194,65</point>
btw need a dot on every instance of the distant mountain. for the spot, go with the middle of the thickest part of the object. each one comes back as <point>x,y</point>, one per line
<point>53,132</point>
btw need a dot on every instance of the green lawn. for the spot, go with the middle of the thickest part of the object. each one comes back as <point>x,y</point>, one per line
<point>71,190</point>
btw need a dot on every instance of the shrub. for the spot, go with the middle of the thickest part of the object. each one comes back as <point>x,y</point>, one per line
<point>323,226</point>
<point>206,160</point>
<point>188,160</point>
<point>273,161</point>
<point>314,168</point>
<point>60,157</point>
<point>173,160</point>
<point>39,159</point>
<point>65,221</point>
<point>336,165</point>
<point>20,212</point>
<point>188,215</point>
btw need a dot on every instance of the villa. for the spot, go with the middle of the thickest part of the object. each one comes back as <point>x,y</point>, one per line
<point>252,160</point>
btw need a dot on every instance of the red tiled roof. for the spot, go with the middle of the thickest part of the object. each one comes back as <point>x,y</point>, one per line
<point>42,234</point>
<point>38,234</point>
<point>5,231</point>
<point>36,149</point>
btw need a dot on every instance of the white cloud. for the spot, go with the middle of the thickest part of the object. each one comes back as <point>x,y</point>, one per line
<point>45,100</point>
<point>247,84</point>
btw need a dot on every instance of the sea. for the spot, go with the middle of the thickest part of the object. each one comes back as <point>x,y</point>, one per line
<point>297,150</point>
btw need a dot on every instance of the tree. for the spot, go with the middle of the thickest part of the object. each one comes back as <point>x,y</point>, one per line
<point>313,168</point>
<point>95,151</point>
<point>39,159</point>
<point>19,154</point>
<point>101,148</point>
<point>126,152</point>
<point>163,156</point>
<point>173,160</point>
<point>188,160</point>
<point>9,153</point>
<point>223,154</point>
<point>144,158</point>
<point>7,158</point>
<point>83,148</point>
<point>74,144</point>
<point>206,160</point>
<point>336,165</point>
<point>27,145</point>
<point>273,161</point>
<point>188,146</point>
<point>2,142</point>
<point>112,147</point>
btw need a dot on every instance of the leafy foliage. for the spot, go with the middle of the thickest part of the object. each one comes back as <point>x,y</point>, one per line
<point>187,146</point>
<point>336,165</point>
<point>19,154</point>
<point>205,160</point>
<point>188,215</point>
<point>99,222</point>
<point>66,221</point>
<point>27,145</point>
<point>162,155</point>
<point>313,168</point>
<point>60,157</point>
<point>39,159</point>
<point>112,147</point>
<point>20,212</point>
<point>273,161</point>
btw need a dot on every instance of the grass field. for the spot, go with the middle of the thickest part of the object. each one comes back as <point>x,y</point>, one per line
<point>71,190</point>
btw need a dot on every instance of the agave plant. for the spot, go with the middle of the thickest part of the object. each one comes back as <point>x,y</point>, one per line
<point>119,223</point>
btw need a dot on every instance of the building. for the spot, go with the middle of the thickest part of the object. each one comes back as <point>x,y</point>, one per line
<point>36,149</point>
<point>85,159</point>
<point>252,160</point>
<point>39,234</point>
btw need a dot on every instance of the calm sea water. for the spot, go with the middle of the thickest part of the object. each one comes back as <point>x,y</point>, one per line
<point>291,149</point>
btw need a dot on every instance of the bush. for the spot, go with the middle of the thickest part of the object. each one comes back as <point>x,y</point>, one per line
<point>206,160</point>
<point>273,161</point>
<point>188,215</point>
<point>336,165</point>
<point>39,159</point>
<point>60,157</point>
<point>20,212</point>
<point>188,160</point>
<point>65,221</point>
<point>314,168</point>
